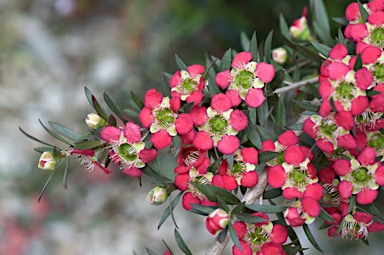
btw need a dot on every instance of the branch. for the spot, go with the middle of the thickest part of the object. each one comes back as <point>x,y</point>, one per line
<point>295,85</point>
<point>249,198</point>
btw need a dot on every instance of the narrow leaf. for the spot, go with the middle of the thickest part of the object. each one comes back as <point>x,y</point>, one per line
<point>266,134</point>
<point>303,50</point>
<point>341,21</point>
<point>262,113</point>
<point>223,205</point>
<point>212,191</point>
<point>267,208</point>
<point>113,107</point>
<point>89,95</point>
<point>266,156</point>
<point>284,27</point>
<point>325,216</point>
<point>137,100</point>
<point>44,149</point>
<point>49,180</point>
<point>85,145</point>
<point>253,136</point>
<point>323,49</point>
<point>63,130</point>
<point>272,193</point>
<point>222,235</point>
<point>321,16</point>
<point>268,47</point>
<point>323,35</point>
<point>165,86</point>
<point>205,209</point>
<point>34,138</point>
<point>244,41</point>
<point>66,174</point>
<point>112,121</point>
<point>150,252</point>
<point>158,177</point>
<point>226,60</point>
<point>372,92</point>
<point>277,80</point>
<point>180,242</point>
<point>180,63</point>
<point>358,64</point>
<point>249,218</point>
<point>212,86</point>
<point>363,12</point>
<point>98,108</point>
<point>306,105</point>
<point>310,237</point>
<point>169,209</point>
<point>253,48</point>
<point>55,135</point>
<point>340,37</point>
<point>252,115</point>
<point>234,236</point>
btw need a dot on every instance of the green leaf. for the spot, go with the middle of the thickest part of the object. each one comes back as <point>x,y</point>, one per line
<point>253,136</point>
<point>262,113</point>
<point>55,135</point>
<point>165,86</point>
<point>272,193</point>
<point>363,12</point>
<point>253,48</point>
<point>212,191</point>
<point>180,63</point>
<point>358,64</point>
<point>252,115</point>
<point>158,177</point>
<point>89,95</point>
<point>320,16</point>
<point>307,53</point>
<point>341,21</point>
<point>266,156</point>
<point>234,236</point>
<point>266,134</point>
<point>297,126</point>
<point>150,252</point>
<point>204,209</point>
<point>63,130</point>
<point>325,216</point>
<point>268,47</point>
<point>212,86</point>
<point>280,114</point>
<point>249,218</point>
<point>223,205</point>
<point>371,209</point>
<point>323,49</point>
<point>180,242</point>
<point>284,27</point>
<point>324,36</point>
<point>44,149</point>
<point>372,92</point>
<point>244,41</point>
<point>226,60</point>
<point>222,235</point>
<point>306,105</point>
<point>66,174</point>
<point>277,80</point>
<point>34,139</point>
<point>137,100</point>
<point>214,167</point>
<point>113,107</point>
<point>49,180</point>
<point>112,121</point>
<point>238,208</point>
<point>340,37</point>
<point>168,211</point>
<point>85,145</point>
<point>310,237</point>
<point>267,208</point>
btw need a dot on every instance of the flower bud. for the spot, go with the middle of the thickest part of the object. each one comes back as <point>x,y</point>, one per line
<point>299,28</point>
<point>94,121</point>
<point>216,221</point>
<point>157,195</point>
<point>280,55</point>
<point>47,161</point>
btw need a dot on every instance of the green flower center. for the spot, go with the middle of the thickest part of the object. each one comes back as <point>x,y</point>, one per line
<point>298,177</point>
<point>238,169</point>
<point>377,142</point>
<point>280,158</point>
<point>345,90</point>
<point>244,79</point>
<point>188,86</point>
<point>378,72</point>
<point>165,117</point>
<point>377,37</point>
<point>328,128</point>
<point>218,125</point>
<point>361,176</point>
<point>127,152</point>
<point>257,237</point>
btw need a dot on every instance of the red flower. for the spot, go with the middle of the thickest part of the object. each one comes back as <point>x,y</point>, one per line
<point>302,212</point>
<point>216,221</point>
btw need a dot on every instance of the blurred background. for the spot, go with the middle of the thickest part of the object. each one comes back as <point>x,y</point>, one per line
<point>50,50</point>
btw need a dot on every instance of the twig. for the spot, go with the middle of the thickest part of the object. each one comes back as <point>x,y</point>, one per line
<point>295,85</point>
<point>249,198</point>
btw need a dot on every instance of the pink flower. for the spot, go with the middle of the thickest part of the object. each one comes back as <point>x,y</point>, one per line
<point>299,28</point>
<point>373,59</point>
<point>87,158</point>
<point>246,79</point>
<point>216,221</point>
<point>127,149</point>
<point>188,84</point>
<point>161,117</point>
<point>218,125</point>
<point>302,212</point>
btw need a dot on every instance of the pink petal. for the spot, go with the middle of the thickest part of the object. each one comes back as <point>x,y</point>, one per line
<point>337,70</point>
<point>364,78</point>
<point>230,183</point>
<point>254,98</point>
<point>376,18</point>
<point>370,54</point>
<point>276,176</point>
<point>196,97</point>
<point>175,103</point>
<point>352,12</point>
<point>376,5</point>
<point>228,144</point>
<point>367,196</point>
<point>326,175</point>
<point>345,120</point>
<point>203,141</point>
<point>133,171</point>
<point>325,146</point>
<point>132,132</point>
<point>223,79</point>
<point>311,206</point>
<point>342,167</point>
<point>238,120</point>
<point>338,52</point>
<point>268,145</point>
<point>161,139</point>
<point>376,227</point>
<point>265,72</point>
<point>181,181</point>
<point>199,115</point>
<point>314,190</point>
<point>294,155</point>
<point>218,181</point>
<point>308,128</point>
<point>221,103</point>
<point>88,152</point>
<point>184,124</point>
<point>152,99</point>
<point>110,134</point>
<point>188,138</point>
<point>250,155</point>
<point>367,156</point>
<point>240,229</point>
<point>379,176</point>
<point>362,217</point>
<point>325,89</point>
<point>249,179</point>
<point>358,32</point>
<point>234,97</point>
<point>279,234</point>
<point>146,118</point>
<point>195,69</point>
<point>189,199</point>
<point>148,155</point>
<point>325,108</point>
<point>291,193</point>
<point>293,218</point>
<point>245,249</point>
<point>345,189</point>
<point>346,141</point>
<point>182,169</point>
<point>175,79</point>
<point>288,138</point>
<point>241,59</point>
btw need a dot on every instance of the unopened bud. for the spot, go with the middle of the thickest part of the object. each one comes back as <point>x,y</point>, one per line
<point>299,28</point>
<point>47,161</point>
<point>280,55</point>
<point>216,221</point>
<point>94,121</point>
<point>157,195</point>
